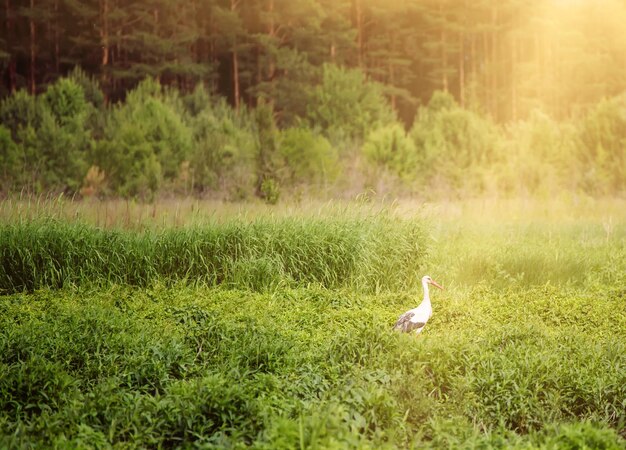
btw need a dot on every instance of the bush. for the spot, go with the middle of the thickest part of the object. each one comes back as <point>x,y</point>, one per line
<point>270,191</point>
<point>346,104</point>
<point>602,147</point>
<point>51,136</point>
<point>539,157</point>
<point>307,158</point>
<point>10,164</point>
<point>145,142</point>
<point>19,111</point>
<point>454,145</point>
<point>65,99</point>
<point>222,157</point>
<point>390,147</point>
<point>91,88</point>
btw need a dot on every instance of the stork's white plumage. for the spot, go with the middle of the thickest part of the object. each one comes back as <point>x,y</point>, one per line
<point>415,319</point>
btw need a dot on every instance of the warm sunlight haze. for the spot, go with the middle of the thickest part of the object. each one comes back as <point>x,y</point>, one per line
<point>313,224</point>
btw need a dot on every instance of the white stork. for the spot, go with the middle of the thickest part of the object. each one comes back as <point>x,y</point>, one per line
<point>416,318</point>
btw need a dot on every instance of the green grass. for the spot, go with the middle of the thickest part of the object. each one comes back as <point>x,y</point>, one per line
<point>526,347</point>
<point>369,254</point>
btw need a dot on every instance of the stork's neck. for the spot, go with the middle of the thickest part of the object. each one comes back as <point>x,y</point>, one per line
<point>426,295</point>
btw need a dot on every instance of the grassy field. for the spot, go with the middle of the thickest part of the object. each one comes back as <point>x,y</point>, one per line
<point>204,325</point>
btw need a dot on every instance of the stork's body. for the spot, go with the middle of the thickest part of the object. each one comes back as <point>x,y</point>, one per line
<point>415,319</point>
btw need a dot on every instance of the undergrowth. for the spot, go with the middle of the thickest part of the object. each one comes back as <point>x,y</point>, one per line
<point>313,368</point>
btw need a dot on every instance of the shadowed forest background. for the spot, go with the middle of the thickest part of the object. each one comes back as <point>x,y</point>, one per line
<point>241,98</point>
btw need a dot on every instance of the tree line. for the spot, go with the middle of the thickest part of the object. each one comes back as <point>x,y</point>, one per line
<point>505,57</point>
<point>241,98</point>
<point>347,140</point>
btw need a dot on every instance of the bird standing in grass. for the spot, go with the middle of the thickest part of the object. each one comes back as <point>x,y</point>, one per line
<point>415,319</point>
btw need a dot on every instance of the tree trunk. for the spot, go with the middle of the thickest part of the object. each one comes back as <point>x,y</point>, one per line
<point>119,55</point>
<point>33,49</point>
<point>212,53</point>
<point>57,48</point>
<point>391,77</point>
<point>155,14</point>
<point>494,65</point>
<point>486,72</point>
<point>473,57</point>
<point>444,55</point>
<point>9,24</point>
<point>104,42</point>
<point>513,78</point>
<point>358,23</point>
<point>271,68</point>
<point>236,94</point>
<point>461,70</point>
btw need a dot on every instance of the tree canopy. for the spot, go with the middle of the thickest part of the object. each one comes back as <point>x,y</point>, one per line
<point>506,57</point>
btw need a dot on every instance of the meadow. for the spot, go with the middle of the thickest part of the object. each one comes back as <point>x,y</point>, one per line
<point>222,325</point>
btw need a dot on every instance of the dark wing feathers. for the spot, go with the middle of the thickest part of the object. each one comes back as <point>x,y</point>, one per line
<point>404,323</point>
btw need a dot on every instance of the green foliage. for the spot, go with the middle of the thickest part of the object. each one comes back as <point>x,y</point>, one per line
<point>190,366</point>
<point>602,148</point>
<point>63,136</point>
<point>580,436</point>
<point>145,142</point>
<point>66,101</point>
<point>91,88</point>
<point>224,146</point>
<point>390,147</point>
<point>267,158</point>
<point>539,157</point>
<point>369,255</point>
<point>307,158</point>
<point>10,163</point>
<point>270,191</point>
<point>453,145</point>
<point>346,104</point>
<point>197,143</point>
<point>159,141</point>
<point>294,348</point>
<point>51,136</point>
<point>19,111</point>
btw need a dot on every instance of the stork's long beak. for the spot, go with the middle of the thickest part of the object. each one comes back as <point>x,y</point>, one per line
<point>434,283</point>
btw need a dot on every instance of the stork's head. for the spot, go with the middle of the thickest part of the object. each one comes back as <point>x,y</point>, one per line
<point>427,280</point>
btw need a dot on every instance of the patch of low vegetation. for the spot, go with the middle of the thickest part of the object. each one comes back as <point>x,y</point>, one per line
<point>294,349</point>
<point>170,366</point>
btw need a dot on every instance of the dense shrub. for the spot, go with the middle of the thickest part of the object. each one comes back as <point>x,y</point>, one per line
<point>390,148</point>
<point>10,163</point>
<point>222,157</point>
<point>19,111</point>
<point>454,145</point>
<point>538,157</point>
<point>145,142</point>
<point>306,158</point>
<point>51,137</point>
<point>602,147</point>
<point>157,140</point>
<point>346,104</point>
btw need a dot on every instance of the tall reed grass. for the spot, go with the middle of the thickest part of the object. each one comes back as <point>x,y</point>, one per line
<point>372,254</point>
